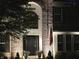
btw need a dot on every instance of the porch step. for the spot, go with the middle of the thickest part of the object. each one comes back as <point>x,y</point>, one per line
<point>32,57</point>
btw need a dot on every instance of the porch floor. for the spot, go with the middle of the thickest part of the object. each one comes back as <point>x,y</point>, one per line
<point>33,57</point>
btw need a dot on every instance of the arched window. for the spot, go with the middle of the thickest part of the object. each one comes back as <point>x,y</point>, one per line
<point>31,20</point>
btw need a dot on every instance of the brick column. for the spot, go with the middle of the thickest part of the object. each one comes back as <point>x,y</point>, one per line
<point>44,33</point>
<point>47,22</point>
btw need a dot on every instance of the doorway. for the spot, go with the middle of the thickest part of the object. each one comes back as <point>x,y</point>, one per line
<point>31,44</point>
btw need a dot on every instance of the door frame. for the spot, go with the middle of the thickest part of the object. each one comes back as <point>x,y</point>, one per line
<point>25,42</point>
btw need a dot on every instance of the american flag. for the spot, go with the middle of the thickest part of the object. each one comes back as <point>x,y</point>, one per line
<point>50,36</point>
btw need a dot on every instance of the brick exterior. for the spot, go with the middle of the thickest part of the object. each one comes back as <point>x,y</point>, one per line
<point>46,6</point>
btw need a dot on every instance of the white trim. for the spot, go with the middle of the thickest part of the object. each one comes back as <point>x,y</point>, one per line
<point>55,33</point>
<point>38,11</point>
<point>77,33</point>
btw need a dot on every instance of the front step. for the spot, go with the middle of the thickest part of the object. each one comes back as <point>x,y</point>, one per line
<point>32,57</point>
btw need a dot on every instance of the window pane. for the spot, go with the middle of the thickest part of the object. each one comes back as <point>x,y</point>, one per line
<point>76,42</point>
<point>76,46</point>
<point>68,42</point>
<point>60,38</point>
<point>31,21</point>
<point>57,18</point>
<point>60,42</point>
<point>57,10</point>
<point>60,47</point>
<point>57,14</point>
<point>2,47</point>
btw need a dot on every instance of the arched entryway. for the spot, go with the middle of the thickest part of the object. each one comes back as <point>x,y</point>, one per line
<point>43,8</point>
<point>33,39</point>
<point>44,11</point>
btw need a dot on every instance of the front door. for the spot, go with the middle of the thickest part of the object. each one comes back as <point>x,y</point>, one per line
<point>31,44</point>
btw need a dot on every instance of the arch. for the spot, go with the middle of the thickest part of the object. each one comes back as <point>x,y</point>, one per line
<point>45,16</point>
<point>38,11</point>
<point>40,3</point>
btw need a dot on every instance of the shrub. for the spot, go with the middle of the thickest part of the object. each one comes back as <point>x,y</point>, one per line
<point>67,55</point>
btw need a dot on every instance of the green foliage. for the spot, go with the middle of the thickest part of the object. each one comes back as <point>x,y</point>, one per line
<point>14,17</point>
<point>1,54</point>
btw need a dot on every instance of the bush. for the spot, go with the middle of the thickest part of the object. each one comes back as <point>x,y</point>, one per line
<point>1,54</point>
<point>67,55</point>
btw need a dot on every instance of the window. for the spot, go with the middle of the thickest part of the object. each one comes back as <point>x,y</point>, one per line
<point>68,42</point>
<point>76,42</point>
<point>66,18</point>
<point>4,43</point>
<point>71,18</point>
<point>64,42</point>
<point>32,20</point>
<point>57,14</point>
<point>57,18</point>
<point>60,42</point>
